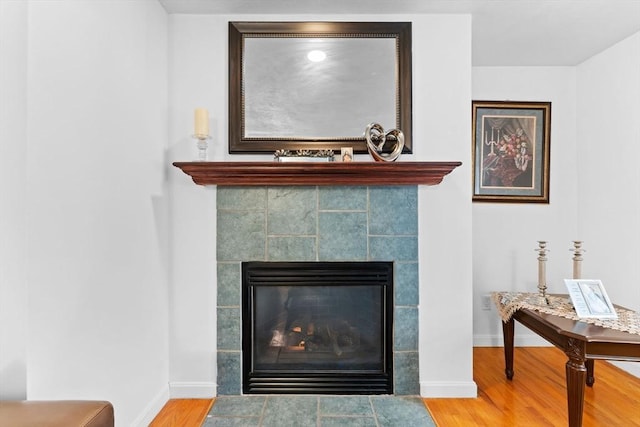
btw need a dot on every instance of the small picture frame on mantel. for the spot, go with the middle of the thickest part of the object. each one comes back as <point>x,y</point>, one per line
<point>346,154</point>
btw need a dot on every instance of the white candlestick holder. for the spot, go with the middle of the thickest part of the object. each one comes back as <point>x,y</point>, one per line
<point>202,143</point>
<point>577,259</point>
<point>542,272</point>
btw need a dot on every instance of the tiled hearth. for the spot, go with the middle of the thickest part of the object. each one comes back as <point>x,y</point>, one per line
<point>322,411</point>
<point>297,223</point>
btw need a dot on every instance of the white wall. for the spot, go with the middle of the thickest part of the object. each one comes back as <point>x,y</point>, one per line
<point>13,173</point>
<point>83,179</point>
<point>197,75</point>
<point>441,97</point>
<point>608,131</point>
<point>505,235</point>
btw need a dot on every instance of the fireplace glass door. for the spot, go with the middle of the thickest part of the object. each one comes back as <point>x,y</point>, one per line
<point>317,327</point>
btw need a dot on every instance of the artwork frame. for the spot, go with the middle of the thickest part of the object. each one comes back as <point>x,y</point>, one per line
<point>590,299</point>
<point>346,154</point>
<point>511,151</point>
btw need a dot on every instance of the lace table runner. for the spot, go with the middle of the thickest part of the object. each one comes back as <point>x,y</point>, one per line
<point>509,302</point>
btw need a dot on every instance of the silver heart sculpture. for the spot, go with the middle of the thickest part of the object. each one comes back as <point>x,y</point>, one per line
<point>376,139</point>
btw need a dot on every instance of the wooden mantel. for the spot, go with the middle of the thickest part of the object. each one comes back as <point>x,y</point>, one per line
<point>316,173</point>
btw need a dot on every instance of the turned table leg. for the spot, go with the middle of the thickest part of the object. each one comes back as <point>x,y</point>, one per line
<point>507,333</point>
<point>576,373</point>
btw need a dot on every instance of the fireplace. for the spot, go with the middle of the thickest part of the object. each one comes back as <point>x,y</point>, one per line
<point>318,225</point>
<point>317,327</point>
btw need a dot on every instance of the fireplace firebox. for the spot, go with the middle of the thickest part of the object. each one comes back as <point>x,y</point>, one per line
<point>317,327</point>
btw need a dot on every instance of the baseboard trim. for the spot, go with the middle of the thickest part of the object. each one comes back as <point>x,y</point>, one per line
<point>152,409</point>
<point>192,390</point>
<point>457,389</point>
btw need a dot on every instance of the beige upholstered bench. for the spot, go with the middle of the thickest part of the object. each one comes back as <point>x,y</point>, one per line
<point>56,413</point>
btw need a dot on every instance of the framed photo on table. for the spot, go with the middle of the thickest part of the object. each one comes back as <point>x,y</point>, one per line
<point>590,299</point>
<point>511,151</point>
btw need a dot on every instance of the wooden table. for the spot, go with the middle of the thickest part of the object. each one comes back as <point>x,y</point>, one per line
<point>582,343</point>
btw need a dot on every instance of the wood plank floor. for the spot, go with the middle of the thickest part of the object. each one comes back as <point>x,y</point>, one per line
<point>535,397</point>
<point>537,394</point>
<point>183,413</point>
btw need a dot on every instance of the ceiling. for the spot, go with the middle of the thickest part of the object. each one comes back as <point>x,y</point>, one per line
<point>505,32</point>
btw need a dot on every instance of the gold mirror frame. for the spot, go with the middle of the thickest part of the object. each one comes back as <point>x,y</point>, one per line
<point>240,143</point>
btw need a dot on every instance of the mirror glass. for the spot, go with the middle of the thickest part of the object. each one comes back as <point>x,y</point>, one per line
<point>316,86</point>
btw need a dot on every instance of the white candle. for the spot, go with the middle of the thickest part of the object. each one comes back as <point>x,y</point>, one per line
<point>201,122</point>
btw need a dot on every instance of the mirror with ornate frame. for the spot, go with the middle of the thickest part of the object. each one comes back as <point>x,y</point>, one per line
<point>317,85</point>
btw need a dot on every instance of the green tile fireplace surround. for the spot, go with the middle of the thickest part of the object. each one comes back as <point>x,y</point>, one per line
<point>317,223</point>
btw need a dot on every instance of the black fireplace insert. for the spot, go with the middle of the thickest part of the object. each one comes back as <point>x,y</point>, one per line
<point>317,327</point>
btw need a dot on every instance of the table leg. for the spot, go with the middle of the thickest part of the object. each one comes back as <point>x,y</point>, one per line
<point>507,333</point>
<point>591,379</point>
<point>576,373</point>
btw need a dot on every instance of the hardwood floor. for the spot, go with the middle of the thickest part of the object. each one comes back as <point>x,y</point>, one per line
<point>183,413</point>
<point>535,397</point>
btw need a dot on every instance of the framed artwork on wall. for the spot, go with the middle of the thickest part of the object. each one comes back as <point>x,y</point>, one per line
<point>510,144</point>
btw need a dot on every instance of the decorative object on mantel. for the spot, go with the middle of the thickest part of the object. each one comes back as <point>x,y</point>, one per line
<point>377,139</point>
<point>542,273</point>
<point>201,133</point>
<point>317,173</point>
<point>346,154</point>
<point>303,156</point>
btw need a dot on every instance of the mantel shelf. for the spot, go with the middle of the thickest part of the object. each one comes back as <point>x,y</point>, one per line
<point>316,173</point>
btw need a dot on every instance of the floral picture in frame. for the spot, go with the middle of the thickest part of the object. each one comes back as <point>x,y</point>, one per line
<point>511,151</point>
